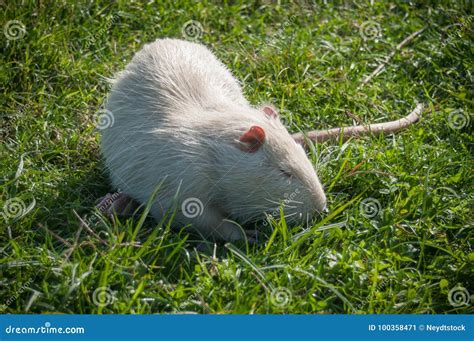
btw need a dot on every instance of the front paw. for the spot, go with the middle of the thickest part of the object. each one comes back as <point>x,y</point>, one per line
<point>253,236</point>
<point>231,232</point>
<point>117,203</point>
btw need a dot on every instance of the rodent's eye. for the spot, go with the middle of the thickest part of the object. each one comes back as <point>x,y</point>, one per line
<point>286,173</point>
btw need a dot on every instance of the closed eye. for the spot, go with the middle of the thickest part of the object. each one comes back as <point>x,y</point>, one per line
<point>286,173</point>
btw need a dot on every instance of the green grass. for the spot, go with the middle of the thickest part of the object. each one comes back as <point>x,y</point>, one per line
<point>309,61</point>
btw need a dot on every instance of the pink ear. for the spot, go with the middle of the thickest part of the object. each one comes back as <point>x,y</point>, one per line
<point>253,139</point>
<point>270,111</point>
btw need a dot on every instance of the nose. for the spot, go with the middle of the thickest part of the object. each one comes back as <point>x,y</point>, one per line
<point>320,202</point>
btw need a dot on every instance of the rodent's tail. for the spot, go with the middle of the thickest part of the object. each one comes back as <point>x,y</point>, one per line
<point>357,131</point>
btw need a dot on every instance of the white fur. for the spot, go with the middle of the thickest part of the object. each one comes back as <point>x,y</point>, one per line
<point>179,114</point>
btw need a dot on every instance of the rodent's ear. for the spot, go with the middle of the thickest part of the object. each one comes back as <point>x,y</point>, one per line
<point>252,139</point>
<point>270,111</point>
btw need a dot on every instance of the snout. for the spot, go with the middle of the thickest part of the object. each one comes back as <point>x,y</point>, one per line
<point>319,201</point>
